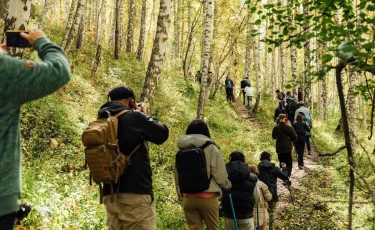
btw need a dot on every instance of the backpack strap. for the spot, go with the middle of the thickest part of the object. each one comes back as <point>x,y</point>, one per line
<point>122,112</point>
<point>207,144</point>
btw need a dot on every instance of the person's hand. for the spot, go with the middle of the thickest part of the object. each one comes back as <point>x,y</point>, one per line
<point>283,165</point>
<point>3,46</point>
<point>33,35</point>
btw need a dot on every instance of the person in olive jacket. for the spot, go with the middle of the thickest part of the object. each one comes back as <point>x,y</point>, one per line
<point>284,136</point>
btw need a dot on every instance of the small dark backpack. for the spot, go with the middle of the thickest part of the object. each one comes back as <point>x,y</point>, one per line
<point>191,168</point>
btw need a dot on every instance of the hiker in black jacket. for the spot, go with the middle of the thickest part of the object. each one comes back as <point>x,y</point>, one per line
<point>284,136</point>
<point>279,110</point>
<point>244,83</point>
<point>268,174</point>
<point>243,184</point>
<point>301,128</point>
<point>133,207</point>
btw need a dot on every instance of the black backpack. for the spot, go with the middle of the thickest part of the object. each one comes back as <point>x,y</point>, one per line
<point>191,168</point>
<point>243,83</point>
<point>292,107</point>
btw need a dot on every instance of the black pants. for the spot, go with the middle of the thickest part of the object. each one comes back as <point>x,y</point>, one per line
<point>287,159</point>
<point>244,97</point>
<point>308,143</point>
<point>229,92</point>
<point>7,221</point>
<point>300,148</point>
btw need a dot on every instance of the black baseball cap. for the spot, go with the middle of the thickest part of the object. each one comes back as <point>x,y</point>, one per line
<point>121,92</point>
<point>236,156</point>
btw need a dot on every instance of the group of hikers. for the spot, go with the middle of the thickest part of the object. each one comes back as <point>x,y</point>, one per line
<point>246,192</point>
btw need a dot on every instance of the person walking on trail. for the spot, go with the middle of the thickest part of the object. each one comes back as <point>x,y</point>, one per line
<point>279,95</point>
<point>308,133</point>
<point>249,94</point>
<point>290,109</point>
<point>244,195</point>
<point>244,83</point>
<point>261,215</point>
<point>284,136</point>
<point>268,174</point>
<point>229,88</point>
<point>279,110</point>
<point>301,129</point>
<point>133,207</point>
<point>304,110</point>
<point>198,77</point>
<point>203,205</point>
<point>21,82</point>
<point>300,94</point>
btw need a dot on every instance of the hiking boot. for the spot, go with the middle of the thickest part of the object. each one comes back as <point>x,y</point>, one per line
<point>309,152</point>
<point>300,167</point>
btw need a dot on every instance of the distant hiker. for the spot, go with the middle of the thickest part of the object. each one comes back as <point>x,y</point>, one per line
<point>268,174</point>
<point>301,129</point>
<point>308,133</point>
<point>261,215</point>
<point>244,83</point>
<point>305,111</point>
<point>23,81</point>
<point>284,136</point>
<point>300,95</point>
<point>279,110</point>
<point>198,77</point>
<point>249,94</point>
<point>200,205</point>
<point>288,95</point>
<point>243,184</point>
<point>291,107</point>
<point>229,88</point>
<point>133,207</point>
<point>279,95</point>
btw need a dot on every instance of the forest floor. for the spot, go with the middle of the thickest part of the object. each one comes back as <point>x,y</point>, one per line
<point>296,214</point>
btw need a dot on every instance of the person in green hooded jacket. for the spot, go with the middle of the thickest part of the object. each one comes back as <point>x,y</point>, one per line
<point>20,82</point>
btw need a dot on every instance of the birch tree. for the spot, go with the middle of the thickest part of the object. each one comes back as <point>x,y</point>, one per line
<point>256,48</point>
<point>206,58</point>
<point>17,19</point>
<point>69,23</point>
<point>307,59</point>
<point>117,28</point>
<point>44,14</point>
<point>157,56</point>
<point>248,44</point>
<point>129,36</point>
<point>142,32</point>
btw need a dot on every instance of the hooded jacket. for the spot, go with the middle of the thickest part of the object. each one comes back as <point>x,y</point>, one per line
<point>133,129</point>
<point>284,135</point>
<point>18,85</point>
<point>268,173</point>
<point>214,163</point>
<point>243,184</point>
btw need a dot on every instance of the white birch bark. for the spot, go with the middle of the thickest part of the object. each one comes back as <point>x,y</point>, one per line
<point>307,60</point>
<point>206,58</point>
<point>248,44</point>
<point>129,36</point>
<point>103,21</point>
<point>256,48</point>
<point>67,9</point>
<point>44,15</point>
<point>81,31</point>
<point>157,57</point>
<point>17,19</point>
<point>74,30</point>
<point>69,23</point>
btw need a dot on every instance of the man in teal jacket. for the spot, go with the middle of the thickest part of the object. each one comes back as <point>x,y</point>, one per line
<point>20,82</point>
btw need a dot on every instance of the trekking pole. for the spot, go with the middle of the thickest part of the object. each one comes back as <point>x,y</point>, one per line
<point>234,214</point>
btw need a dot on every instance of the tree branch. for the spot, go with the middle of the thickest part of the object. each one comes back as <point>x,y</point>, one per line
<point>366,183</point>
<point>333,153</point>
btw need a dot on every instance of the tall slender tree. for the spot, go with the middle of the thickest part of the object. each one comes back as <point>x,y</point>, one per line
<point>206,58</point>
<point>130,33</point>
<point>142,32</point>
<point>307,57</point>
<point>117,28</point>
<point>157,57</point>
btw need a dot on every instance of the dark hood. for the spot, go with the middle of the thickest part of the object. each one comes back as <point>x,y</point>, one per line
<point>238,171</point>
<point>265,165</point>
<point>113,107</point>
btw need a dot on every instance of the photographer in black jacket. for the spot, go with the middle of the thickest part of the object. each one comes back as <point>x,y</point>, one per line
<point>243,195</point>
<point>133,208</point>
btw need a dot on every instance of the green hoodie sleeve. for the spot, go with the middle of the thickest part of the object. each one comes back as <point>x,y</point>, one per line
<point>21,84</point>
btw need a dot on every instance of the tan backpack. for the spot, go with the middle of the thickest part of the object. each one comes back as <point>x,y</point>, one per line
<point>102,152</point>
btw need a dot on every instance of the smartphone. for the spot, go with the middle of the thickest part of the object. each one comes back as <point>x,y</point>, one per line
<point>14,39</point>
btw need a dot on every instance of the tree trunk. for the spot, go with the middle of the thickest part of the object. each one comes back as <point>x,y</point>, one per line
<point>44,15</point>
<point>307,59</point>
<point>17,19</point>
<point>97,24</point>
<point>352,107</point>
<point>117,35</point>
<point>81,32</point>
<point>207,45</point>
<point>69,23</point>
<point>176,39</point>
<point>256,47</point>
<point>121,25</point>
<point>129,38</point>
<point>75,26</point>
<point>348,142</point>
<point>96,63</point>
<point>248,44</point>
<point>294,62</point>
<point>103,20</point>
<point>142,32</point>
<point>157,57</point>
<point>67,10</point>
<point>282,67</point>
<point>4,5</point>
